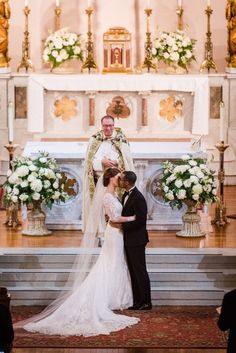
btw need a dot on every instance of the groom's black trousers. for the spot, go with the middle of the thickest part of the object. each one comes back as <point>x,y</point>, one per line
<point>138,273</point>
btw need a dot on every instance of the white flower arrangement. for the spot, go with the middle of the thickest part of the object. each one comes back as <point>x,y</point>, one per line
<point>189,179</point>
<point>174,47</point>
<point>61,46</point>
<point>35,181</point>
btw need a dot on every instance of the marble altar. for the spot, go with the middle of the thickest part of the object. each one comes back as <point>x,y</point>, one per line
<point>148,158</point>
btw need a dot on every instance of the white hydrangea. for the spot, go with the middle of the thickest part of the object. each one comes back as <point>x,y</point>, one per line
<point>36,196</point>
<point>36,185</point>
<point>23,171</point>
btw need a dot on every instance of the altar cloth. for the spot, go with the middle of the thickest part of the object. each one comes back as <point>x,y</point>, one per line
<point>197,84</point>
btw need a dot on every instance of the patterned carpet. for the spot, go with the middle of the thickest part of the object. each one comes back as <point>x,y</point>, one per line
<point>169,327</point>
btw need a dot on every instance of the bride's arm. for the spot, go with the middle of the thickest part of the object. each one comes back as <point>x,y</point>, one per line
<point>111,211</point>
<point>122,219</point>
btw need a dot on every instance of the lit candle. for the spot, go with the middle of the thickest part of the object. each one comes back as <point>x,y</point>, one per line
<point>209,3</point>
<point>57,3</point>
<point>26,3</point>
<point>222,117</point>
<point>179,3</point>
<point>10,121</point>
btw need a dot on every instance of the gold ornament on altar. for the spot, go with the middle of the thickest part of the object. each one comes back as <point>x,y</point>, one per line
<point>171,109</point>
<point>231,18</point>
<point>118,108</point>
<point>117,50</point>
<point>65,108</point>
<point>4,25</point>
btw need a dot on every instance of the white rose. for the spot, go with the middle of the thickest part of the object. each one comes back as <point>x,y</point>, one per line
<point>14,198</point>
<point>36,185</point>
<point>16,191</point>
<point>197,189</point>
<point>185,157</point>
<point>9,189</point>
<point>196,197</point>
<point>54,53</point>
<point>192,162</point>
<point>31,178</point>
<point>187,183</point>
<point>178,183</point>
<point>194,179</point>
<point>46,184</point>
<point>166,55</point>
<point>43,160</point>
<point>166,188</point>
<point>56,195</point>
<point>59,59</point>
<point>14,178</point>
<point>77,50</point>
<point>181,194</point>
<point>200,175</point>
<point>36,196</point>
<point>23,197</point>
<point>22,171</point>
<point>170,196</point>
<point>55,185</point>
<point>33,168</point>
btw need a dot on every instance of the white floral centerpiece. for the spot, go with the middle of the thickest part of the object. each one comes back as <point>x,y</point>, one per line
<point>35,181</point>
<point>61,46</point>
<point>190,179</point>
<point>174,47</point>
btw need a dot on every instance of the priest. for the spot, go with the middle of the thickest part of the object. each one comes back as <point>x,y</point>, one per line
<point>107,148</point>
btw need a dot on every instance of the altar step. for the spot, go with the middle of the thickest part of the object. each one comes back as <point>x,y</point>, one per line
<point>178,276</point>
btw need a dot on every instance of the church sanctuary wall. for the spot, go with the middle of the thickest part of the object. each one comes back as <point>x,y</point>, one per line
<point>126,13</point>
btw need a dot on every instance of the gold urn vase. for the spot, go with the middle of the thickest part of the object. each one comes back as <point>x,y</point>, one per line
<point>36,225</point>
<point>191,221</point>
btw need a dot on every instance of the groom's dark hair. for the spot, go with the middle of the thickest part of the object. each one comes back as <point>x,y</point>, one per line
<point>130,176</point>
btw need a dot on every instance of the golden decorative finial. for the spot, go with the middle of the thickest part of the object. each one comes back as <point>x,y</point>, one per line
<point>89,61</point>
<point>25,60</point>
<point>208,62</point>
<point>148,60</point>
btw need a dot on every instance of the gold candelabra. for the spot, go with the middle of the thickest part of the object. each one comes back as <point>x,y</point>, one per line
<point>89,61</point>
<point>57,18</point>
<point>148,60</point>
<point>208,62</point>
<point>180,12</point>
<point>220,211</point>
<point>12,209</point>
<point>25,60</point>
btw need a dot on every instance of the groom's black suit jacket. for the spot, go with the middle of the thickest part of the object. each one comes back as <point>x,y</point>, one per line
<point>135,232</point>
<point>227,319</point>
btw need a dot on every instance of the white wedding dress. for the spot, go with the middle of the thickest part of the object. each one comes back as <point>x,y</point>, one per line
<point>88,310</point>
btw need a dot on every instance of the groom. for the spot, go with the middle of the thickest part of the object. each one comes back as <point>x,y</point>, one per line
<point>135,240</point>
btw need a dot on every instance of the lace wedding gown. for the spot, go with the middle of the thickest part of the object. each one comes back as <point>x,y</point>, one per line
<point>88,310</point>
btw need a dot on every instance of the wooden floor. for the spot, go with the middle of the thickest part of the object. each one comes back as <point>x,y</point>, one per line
<point>220,237</point>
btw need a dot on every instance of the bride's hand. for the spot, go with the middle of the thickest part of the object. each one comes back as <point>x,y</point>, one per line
<point>115,224</point>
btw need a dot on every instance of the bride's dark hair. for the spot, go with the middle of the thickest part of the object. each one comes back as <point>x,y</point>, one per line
<point>108,174</point>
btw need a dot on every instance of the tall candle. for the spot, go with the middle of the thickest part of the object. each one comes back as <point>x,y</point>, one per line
<point>10,121</point>
<point>148,4</point>
<point>222,117</point>
<point>57,3</point>
<point>209,3</point>
<point>26,3</point>
<point>88,3</point>
<point>179,3</point>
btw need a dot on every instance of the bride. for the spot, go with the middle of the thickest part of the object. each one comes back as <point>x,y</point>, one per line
<point>87,309</point>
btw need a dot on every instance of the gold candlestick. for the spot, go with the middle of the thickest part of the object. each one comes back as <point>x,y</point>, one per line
<point>180,12</point>
<point>12,209</point>
<point>89,61</point>
<point>220,211</point>
<point>25,60</point>
<point>208,62</point>
<point>148,60</point>
<point>57,19</point>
